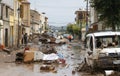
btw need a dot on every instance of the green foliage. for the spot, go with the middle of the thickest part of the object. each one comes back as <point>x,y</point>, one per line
<point>108,11</point>
<point>69,28</point>
<point>73,29</point>
<point>76,29</point>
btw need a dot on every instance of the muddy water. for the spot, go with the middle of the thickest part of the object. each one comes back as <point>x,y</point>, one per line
<point>71,53</point>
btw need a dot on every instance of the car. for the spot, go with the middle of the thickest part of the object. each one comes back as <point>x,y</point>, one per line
<point>102,50</point>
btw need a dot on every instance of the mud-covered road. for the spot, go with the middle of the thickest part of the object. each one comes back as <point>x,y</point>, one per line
<point>71,52</point>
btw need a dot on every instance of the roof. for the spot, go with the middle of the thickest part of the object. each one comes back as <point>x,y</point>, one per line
<point>104,33</point>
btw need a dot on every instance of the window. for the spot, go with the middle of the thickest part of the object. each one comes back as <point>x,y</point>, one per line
<point>6,11</point>
<point>91,44</point>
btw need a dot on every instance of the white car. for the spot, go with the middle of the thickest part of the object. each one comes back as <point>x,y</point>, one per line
<point>103,50</point>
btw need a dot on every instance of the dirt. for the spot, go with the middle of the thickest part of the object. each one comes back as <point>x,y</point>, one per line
<point>73,57</point>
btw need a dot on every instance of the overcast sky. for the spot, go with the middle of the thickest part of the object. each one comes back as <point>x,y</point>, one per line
<point>59,12</point>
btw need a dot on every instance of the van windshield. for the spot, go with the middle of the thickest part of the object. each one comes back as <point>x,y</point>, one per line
<point>107,41</point>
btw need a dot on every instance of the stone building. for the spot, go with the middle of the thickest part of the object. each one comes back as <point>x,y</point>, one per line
<point>7,23</point>
<point>22,19</point>
<point>35,21</point>
<point>81,16</point>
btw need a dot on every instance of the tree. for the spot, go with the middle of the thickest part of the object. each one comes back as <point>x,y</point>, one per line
<point>73,29</point>
<point>76,29</point>
<point>108,11</point>
<point>69,28</point>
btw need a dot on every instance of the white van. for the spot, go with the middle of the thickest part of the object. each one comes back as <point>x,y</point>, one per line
<point>103,50</point>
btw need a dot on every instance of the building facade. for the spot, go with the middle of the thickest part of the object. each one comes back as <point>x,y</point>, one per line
<point>7,23</point>
<point>95,24</point>
<point>81,17</point>
<point>22,19</point>
<point>43,22</point>
<point>35,21</point>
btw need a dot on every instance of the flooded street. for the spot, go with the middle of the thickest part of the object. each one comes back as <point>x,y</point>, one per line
<point>8,67</point>
<point>72,54</point>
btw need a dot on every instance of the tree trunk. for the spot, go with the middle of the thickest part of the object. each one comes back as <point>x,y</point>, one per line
<point>113,27</point>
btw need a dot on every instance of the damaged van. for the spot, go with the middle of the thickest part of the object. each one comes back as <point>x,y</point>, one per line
<point>103,50</point>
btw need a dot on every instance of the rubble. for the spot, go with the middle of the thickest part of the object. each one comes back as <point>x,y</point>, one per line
<point>115,74</point>
<point>62,61</point>
<point>47,68</point>
<point>47,49</point>
<point>45,52</point>
<point>28,56</point>
<point>6,50</point>
<point>38,56</point>
<point>51,56</point>
<point>73,72</point>
<point>2,48</point>
<point>19,57</point>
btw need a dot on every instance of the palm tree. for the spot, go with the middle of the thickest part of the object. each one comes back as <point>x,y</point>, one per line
<point>108,11</point>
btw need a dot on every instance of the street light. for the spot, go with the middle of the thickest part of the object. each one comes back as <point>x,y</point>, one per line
<point>18,42</point>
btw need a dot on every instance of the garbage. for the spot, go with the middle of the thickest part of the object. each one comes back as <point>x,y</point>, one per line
<point>6,50</point>
<point>52,56</point>
<point>54,71</point>
<point>19,57</point>
<point>60,56</point>
<point>69,46</point>
<point>47,68</point>
<point>2,48</point>
<point>62,61</point>
<point>47,62</point>
<point>73,72</point>
<point>47,49</point>
<point>57,41</point>
<point>26,48</point>
<point>38,56</point>
<point>52,40</point>
<point>28,56</point>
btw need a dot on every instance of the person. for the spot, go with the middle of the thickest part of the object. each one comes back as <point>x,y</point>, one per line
<point>22,39</point>
<point>30,38</point>
<point>69,38</point>
<point>25,39</point>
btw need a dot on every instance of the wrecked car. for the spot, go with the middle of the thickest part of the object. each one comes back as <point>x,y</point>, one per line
<point>103,50</point>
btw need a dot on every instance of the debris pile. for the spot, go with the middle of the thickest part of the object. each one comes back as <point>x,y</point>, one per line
<point>46,38</point>
<point>2,48</point>
<point>45,52</point>
<point>47,68</point>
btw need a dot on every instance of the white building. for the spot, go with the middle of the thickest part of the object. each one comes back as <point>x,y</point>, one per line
<point>6,20</point>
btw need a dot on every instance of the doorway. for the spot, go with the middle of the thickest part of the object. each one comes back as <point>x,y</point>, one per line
<point>6,37</point>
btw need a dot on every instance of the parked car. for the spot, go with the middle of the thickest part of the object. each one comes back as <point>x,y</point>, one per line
<point>103,50</point>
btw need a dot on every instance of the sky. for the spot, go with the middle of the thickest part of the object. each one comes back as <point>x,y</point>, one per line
<point>59,12</point>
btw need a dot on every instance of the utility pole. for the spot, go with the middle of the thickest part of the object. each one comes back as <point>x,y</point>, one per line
<point>86,15</point>
<point>32,23</point>
<point>80,22</point>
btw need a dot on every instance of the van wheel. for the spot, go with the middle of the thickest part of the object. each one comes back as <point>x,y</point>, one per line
<point>94,68</point>
<point>103,72</point>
